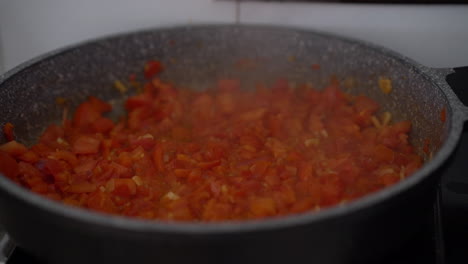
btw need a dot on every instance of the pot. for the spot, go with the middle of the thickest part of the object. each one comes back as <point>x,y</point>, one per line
<point>368,229</point>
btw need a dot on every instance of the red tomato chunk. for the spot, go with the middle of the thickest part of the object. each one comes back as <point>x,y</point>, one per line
<point>216,155</point>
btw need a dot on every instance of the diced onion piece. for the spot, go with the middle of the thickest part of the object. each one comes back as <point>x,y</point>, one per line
<point>311,142</point>
<point>120,86</point>
<point>376,122</point>
<point>138,181</point>
<point>224,188</point>
<point>385,171</point>
<point>146,136</point>
<point>172,196</point>
<point>324,133</point>
<point>402,172</point>
<point>386,118</point>
<point>385,85</point>
<point>110,186</point>
<point>60,100</point>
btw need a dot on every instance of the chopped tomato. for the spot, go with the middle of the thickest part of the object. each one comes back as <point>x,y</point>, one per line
<point>86,145</point>
<point>51,135</point>
<point>216,155</point>
<point>384,154</point>
<point>99,105</point>
<point>101,201</point>
<point>262,207</point>
<point>136,101</point>
<point>158,157</point>
<point>84,115</point>
<point>8,131</point>
<point>66,156</point>
<point>8,165</point>
<point>29,156</point>
<point>152,68</point>
<point>122,187</point>
<point>84,187</point>
<point>102,125</point>
<point>13,148</point>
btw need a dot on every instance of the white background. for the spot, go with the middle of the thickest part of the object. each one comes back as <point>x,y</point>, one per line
<point>434,35</point>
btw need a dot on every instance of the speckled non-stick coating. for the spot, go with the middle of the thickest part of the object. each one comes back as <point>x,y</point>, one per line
<point>197,57</point>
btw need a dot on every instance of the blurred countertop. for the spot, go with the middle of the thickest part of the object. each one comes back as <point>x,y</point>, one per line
<point>434,35</point>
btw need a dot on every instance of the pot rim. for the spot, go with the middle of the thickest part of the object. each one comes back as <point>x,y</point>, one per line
<point>455,120</point>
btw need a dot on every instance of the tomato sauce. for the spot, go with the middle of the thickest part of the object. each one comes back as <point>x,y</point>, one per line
<point>216,155</point>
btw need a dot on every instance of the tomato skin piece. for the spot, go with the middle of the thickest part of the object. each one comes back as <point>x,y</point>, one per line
<point>305,171</point>
<point>195,176</point>
<point>209,164</point>
<point>101,201</point>
<point>29,156</point>
<point>13,148</point>
<point>214,152</point>
<point>54,167</point>
<point>331,190</point>
<point>123,187</point>
<point>88,112</point>
<point>33,178</point>
<point>262,207</point>
<point>146,142</point>
<point>152,68</point>
<point>138,117</point>
<point>158,157</point>
<point>86,145</point>
<point>333,96</point>
<point>8,131</point>
<point>85,168</point>
<point>137,101</point>
<point>8,165</point>
<point>50,136</point>
<point>271,177</point>
<point>389,179</point>
<point>102,125</point>
<point>132,77</point>
<point>384,154</point>
<point>99,105</point>
<point>259,168</point>
<point>120,171</point>
<point>365,108</point>
<point>84,115</point>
